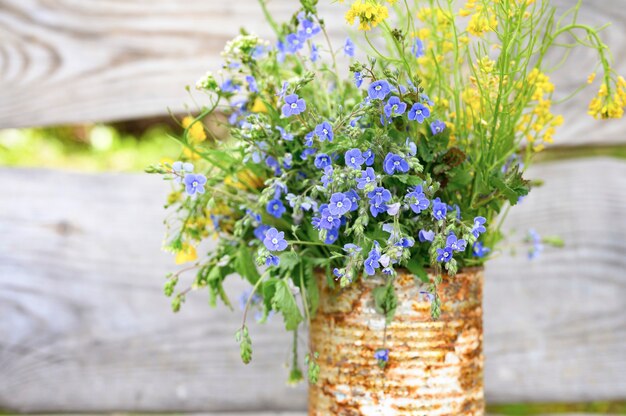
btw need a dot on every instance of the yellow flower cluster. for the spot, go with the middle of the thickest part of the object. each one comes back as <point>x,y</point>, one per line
<point>539,125</point>
<point>483,18</point>
<point>370,13</point>
<point>605,106</point>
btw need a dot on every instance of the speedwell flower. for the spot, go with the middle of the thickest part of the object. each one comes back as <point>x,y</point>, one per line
<point>354,159</point>
<point>369,157</point>
<point>479,227</point>
<point>354,198</point>
<point>444,255</point>
<point>455,243</point>
<point>194,183</point>
<point>378,90</point>
<point>275,208</point>
<point>418,48</point>
<point>309,29</point>
<point>324,131</point>
<point>294,105</point>
<point>275,240</point>
<point>437,127</point>
<point>382,354</point>
<point>426,235</point>
<point>348,47</point>
<point>367,176</point>
<point>394,107</point>
<point>478,250</point>
<point>440,209</point>
<point>379,195</point>
<point>339,204</point>
<point>417,200</point>
<point>358,79</point>
<point>329,221</point>
<point>322,160</point>
<point>395,163</point>
<point>418,112</point>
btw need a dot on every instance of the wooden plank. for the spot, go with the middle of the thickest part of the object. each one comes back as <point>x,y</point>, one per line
<point>68,61</point>
<point>85,327</point>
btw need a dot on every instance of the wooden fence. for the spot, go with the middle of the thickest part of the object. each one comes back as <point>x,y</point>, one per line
<point>83,323</point>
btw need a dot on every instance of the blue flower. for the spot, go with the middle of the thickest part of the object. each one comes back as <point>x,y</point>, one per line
<point>537,246</point>
<point>394,107</point>
<point>338,273</point>
<point>259,232</point>
<point>272,163</point>
<point>354,198</point>
<point>369,157</point>
<point>437,127</point>
<point>256,217</point>
<point>395,163</point>
<point>382,354</point>
<point>406,242</point>
<point>378,90</point>
<point>322,161</point>
<point>417,200</point>
<point>358,79</point>
<point>275,208</point>
<point>275,240</point>
<point>294,105</point>
<point>272,260</point>
<point>367,176</point>
<point>229,86</point>
<point>252,83</point>
<point>194,184</point>
<point>348,47</point>
<point>418,112</point>
<point>181,167</point>
<point>339,204</point>
<point>324,131</point>
<point>329,221</point>
<point>411,146</point>
<point>454,243</point>
<point>439,209</point>
<point>295,42</point>
<point>309,29</point>
<point>307,152</point>
<point>479,226</point>
<point>354,158</point>
<point>327,178</point>
<point>283,90</point>
<point>288,161</point>
<point>377,208</point>
<point>371,262</point>
<point>444,254</point>
<point>284,135</point>
<point>351,249</point>
<point>426,235</point>
<point>418,48</point>
<point>308,139</point>
<point>379,195</point>
<point>314,53</point>
<point>282,51</point>
<point>478,250</point>
<point>331,236</point>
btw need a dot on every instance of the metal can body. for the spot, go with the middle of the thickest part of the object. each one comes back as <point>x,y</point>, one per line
<point>434,367</point>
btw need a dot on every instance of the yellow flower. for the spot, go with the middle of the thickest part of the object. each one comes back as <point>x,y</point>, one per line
<point>607,106</point>
<point>591,78</point>
<point>186,254</point>
<point>258,106</point>
<point>244,180</point>
<point>195,130</point>
<point>369,13</point>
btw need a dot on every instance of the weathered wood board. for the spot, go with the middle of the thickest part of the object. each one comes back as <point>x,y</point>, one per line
<point>84,326</point>
<point>69,61</point>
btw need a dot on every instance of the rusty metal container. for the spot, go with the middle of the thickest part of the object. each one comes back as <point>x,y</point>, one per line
<point>434,367</point>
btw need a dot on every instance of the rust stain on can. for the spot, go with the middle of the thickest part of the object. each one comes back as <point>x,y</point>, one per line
<point>434,368</point>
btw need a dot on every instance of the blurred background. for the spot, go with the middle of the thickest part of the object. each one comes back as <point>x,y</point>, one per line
<point>89,93</point>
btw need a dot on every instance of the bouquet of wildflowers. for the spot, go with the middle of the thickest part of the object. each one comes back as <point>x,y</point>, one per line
<point>407,157</point>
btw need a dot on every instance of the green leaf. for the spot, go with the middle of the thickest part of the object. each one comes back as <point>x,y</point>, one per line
<point>415,266</point>
<point>284,302</point>
<point>289,260</point>
<point>386,301</point>
<point>410,180</point>
<point>244,265</point>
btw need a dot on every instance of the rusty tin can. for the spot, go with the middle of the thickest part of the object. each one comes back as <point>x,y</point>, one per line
<point>434,367</point>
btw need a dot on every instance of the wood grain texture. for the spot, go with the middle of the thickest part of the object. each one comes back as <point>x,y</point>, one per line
<point>85,327</point>
<point>68,61</point>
